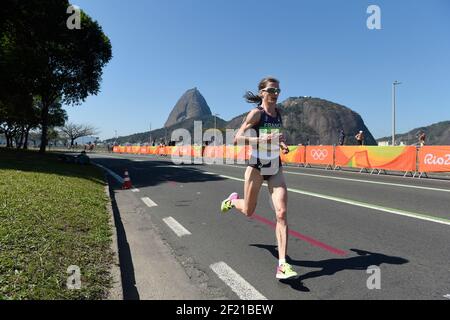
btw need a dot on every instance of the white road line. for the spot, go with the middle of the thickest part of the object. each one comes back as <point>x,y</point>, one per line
<point>447,296</point>
<point>242,288</point>
<point>357,203</point>
<point>368,181</point>
<point>149,202</point>
<point>114,175</point>
<point>355,180</point>
<point>176,227</point>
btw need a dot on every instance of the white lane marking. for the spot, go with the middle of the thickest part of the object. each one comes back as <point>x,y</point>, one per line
<point>447,296</point>
<point>368,181</point>
<point>239,285</point>
<point>149,202</point>
<point>355,180</point>
<point>114,175</point>
<point>318,169</point>
<point>357,203</point>
<point>176,227</point>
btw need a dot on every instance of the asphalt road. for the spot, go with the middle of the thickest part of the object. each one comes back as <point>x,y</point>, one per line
<point>342,224</point>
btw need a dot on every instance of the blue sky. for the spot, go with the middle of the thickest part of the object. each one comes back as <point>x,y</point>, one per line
<point>316,48</point>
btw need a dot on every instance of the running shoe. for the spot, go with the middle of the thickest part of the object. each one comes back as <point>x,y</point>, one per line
<point>285,271</point>
<point>226,204</point>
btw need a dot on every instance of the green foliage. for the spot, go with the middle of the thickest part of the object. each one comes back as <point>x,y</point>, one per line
<point>41,57</point>
<point>52,215</point>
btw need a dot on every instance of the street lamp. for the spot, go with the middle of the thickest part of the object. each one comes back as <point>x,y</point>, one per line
<point>395,83</point>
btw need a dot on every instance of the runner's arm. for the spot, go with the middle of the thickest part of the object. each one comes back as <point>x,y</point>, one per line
<point>284,147</point>
<point>250,121</point>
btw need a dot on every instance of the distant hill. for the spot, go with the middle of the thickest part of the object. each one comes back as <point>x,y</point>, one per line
<point>436,134</point>
<point>317,120</point>
<point>304,118</point>
<point>191,105</point>
<point>164,134</point>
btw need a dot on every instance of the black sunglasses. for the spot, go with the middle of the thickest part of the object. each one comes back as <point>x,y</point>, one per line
<point>272,90</point>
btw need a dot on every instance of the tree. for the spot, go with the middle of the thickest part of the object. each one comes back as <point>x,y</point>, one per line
<point>57,117</point>
<point>74,131</point>
<point>46,58</point>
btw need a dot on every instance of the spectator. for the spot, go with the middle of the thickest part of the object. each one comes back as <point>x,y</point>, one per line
<point>360,138</point>
<point>82,158</point>
<point>341,137</point>
<point>422,137</point>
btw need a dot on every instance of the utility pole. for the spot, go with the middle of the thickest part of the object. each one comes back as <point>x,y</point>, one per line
<point>215,126</point>
<point>395,83</point>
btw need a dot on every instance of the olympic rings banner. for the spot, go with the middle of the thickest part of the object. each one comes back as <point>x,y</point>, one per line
<point>319,155</point>
<point>400,158</point>
<point>434,159</point>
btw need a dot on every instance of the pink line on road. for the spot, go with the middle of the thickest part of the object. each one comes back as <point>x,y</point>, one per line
<point>300,236</point>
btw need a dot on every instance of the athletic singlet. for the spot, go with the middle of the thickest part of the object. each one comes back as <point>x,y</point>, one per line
<point>267,125</point>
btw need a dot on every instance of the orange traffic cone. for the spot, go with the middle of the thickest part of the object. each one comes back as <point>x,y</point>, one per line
<point>126,181</point>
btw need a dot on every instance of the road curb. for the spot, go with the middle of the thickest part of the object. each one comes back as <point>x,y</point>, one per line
<point>116,291</point>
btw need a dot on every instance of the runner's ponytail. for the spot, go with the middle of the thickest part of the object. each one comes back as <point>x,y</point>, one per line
<point>250,97</point>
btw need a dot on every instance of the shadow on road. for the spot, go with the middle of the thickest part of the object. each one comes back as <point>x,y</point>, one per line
<point>147,173</point>
<point>130,291</point>
<point>329,267</point>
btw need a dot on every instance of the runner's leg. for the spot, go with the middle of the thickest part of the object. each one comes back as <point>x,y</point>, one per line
<point>278,191</point>
<point>252,185</point>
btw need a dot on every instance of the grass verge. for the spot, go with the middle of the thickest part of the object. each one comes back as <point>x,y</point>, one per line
<point>52,215</point>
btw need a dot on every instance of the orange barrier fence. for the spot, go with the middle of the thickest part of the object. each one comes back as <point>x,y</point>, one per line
<point>214,152</point>
<point>227,152</point>
<point>296,155</point>
<point>434,159</point>
<point>397,158</point>
<point>319,155</point>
